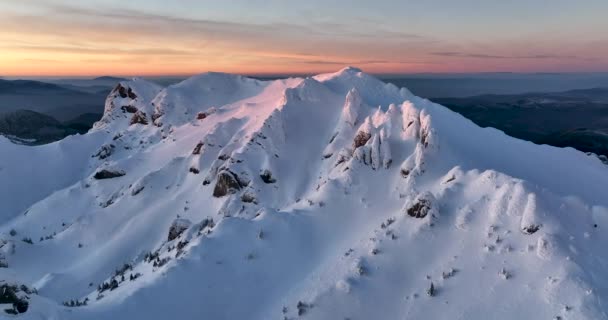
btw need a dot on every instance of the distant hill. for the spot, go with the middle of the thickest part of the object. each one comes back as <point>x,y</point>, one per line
<point>27,86</point>
<point>32,127</point>
<point>60,101</point>
<point>575,118</point>
<point>108,78</point>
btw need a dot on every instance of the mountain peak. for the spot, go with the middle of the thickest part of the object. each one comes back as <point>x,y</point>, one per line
<point>350,69</point>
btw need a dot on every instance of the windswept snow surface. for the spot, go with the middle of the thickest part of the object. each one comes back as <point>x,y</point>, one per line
<point>331,197</point>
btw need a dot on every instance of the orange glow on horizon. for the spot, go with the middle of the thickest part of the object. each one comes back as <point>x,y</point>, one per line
<point>67,38</point>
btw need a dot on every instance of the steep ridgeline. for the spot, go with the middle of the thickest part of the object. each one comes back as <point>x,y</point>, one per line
<point>331,197</point>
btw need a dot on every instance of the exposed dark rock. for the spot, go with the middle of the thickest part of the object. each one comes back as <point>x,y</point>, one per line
<point>128,109</point>
<point>206,225</point>
<point>16,296</point>
<point>197,148</point>
<point>105,151</point>
<point>108,174</point>
<point>424,138</point>
<point>201,115</point>
<point>177,228</point>
<point>194,170</point>
<point>227,183</point>
<point>419,209</point>
<point>333,138</point>
<point>431,290</point>
<point>125,92</point>
<point>267,177</point>
<point>302,308</point>
<point>530,229</point>
<point>405,173</point>
<point>139,117</point>
<point>156,116</point>
<point>137,189</point>
<point>361,139</point>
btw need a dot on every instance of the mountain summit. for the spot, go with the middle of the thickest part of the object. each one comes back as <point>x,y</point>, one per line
<point>331,197</point>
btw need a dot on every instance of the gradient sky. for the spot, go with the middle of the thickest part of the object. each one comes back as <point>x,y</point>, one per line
<point>181,37</point>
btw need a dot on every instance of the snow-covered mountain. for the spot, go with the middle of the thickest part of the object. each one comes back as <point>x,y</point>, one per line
<point>331,197</point>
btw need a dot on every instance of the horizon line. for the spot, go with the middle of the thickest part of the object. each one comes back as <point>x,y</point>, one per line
<point>295,74</point>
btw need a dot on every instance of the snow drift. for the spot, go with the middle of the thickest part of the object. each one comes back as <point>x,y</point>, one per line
<point>334,196</point>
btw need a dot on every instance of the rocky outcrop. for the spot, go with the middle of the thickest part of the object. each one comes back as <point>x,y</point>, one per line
<point>227,183</point>
<point>17,296</point>
<point>361,139</point>
<point>105,151</point>
<point>420,209</point>
<point>177,228</point>
<point>530,229</point>
<point>129,109</point>
<point>197,148</point>
<point>125,92</point>
<point>422,206</point>
<point>139,118</point>
<point>267,177</point>
<point>248,197</point>
<point>108,174</point>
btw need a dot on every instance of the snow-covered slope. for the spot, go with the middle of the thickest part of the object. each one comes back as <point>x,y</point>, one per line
<point>331,197</point>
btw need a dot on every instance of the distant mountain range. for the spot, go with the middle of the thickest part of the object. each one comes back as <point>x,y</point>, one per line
<point>575,118</point>
<point>37,112</point>
<point>31,127</point>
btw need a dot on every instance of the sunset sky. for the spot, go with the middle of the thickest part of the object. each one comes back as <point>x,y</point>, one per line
<point>182,37</point>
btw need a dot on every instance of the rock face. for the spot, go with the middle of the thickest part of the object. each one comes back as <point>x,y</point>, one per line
<point>128,109</point>
<point>125,92</point>
<point>420,209</point>
<point>177,228</point>
<point>227,183</point>
<point>361,139</point>
<point>422,206</point>
<point>108,174</point>
<point>17,296</point>
<point>139,118</point>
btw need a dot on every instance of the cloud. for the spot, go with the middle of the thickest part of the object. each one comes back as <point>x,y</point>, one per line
<point>59,19</point>
<point>490,56</point>
<point>103,35</point>
<point>92,50</point>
